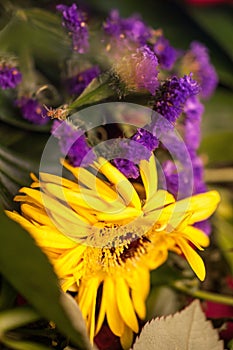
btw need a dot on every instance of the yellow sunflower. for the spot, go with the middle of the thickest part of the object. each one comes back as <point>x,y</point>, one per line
<point>104,234</point>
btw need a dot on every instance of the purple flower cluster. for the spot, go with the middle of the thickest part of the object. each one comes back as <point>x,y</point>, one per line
<point>10,77</point>
<point>142,144</point>
<point>78,83</point>
<point>132,28</point>
<point>32,110</point>
<point>73,144</point>
<point>138,69</point>
<point>74,20</point>
<point>173,95</point>
<point>205,72</point>
<point>166,54</point>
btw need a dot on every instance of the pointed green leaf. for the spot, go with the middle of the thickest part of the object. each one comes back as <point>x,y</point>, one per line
<point>29,271</point>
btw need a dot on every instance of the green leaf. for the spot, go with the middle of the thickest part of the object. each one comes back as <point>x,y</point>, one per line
<point>7,294</point>
<point>22,345</point>
<point>29,271</point>
<point>41,31</point>
<point>186,330</point>
<point>97,91</point>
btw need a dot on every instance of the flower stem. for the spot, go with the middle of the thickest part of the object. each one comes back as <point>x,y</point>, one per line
<point>201,294</point>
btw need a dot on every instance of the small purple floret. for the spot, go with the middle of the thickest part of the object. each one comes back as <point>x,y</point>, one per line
<point>166,54</point>
<point>206,72</point>
<point>32,110</point>
<point>74,20</point>
<point>73,144</point>
<point>127,167</point>
<point>78,83</point>
<point>132,28</point>
<point>10,77</point>
<point>146,69</point>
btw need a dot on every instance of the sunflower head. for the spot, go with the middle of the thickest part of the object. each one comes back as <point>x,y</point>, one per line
<point>103,235</point>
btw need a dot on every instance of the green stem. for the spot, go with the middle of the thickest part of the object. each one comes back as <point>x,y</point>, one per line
<point>219,175</point>
<point>201,294</point>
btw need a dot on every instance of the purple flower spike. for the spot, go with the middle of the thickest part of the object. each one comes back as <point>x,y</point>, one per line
<point>174,93</point>
<point>78,83</point>
<point>205,72</point>
<point>10,77</point>
<point>73,144</point>
<point>74,20</point>
<point>166,54</point>
<point>32,110</point>
<point>132,28</point>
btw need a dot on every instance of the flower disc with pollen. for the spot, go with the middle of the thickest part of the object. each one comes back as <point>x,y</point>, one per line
<point>104,234</point>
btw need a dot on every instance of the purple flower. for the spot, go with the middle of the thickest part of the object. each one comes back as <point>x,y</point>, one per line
<point>147,139</point>
<point>203,69</point>
<point>132,28</point>
<point>146,69</point>
<point>138,70</point>
<point>192,129</point>
<point>32,110</point>
<point>127,167</point>
<point>173,95</point>
<point>78,83</point>
<point>171,177</point>
<point>166,54</point>
<point>132,151</point>
<point>74,20</point>
<point>10,77</point>
<point>73,144</point>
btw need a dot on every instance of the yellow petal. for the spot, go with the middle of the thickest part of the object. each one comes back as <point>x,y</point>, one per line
<point>84,198</point>
<point>45,236</point>
<point>125,216</point>
<point>91,181</point>
<point>101,315</point>
<point>140,286</point>
<point>123,186</point>
<point>195,235</point>
<point>159,200</point>
<point>54,206</point>
<point>203,205</point>
<point>149,176</point>
<point>193,258</point>
<point>127,338</point>
<point>199,206</point>
<point>37,214</point>
<point>51,178</point>
<point>114,318</point>
<point>125,304</point>
<point>69,260</point>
